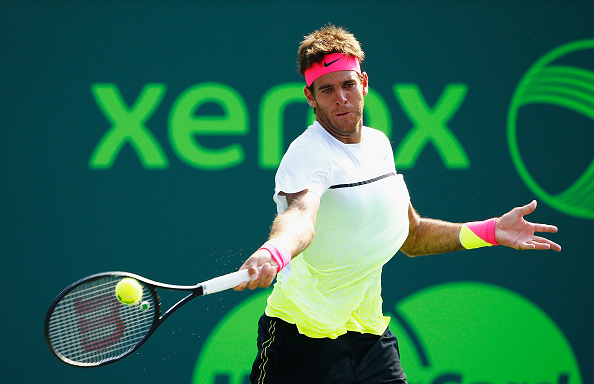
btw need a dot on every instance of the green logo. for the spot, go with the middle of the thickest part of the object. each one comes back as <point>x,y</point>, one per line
<point>476,333</point>
<point>190,128</point>
<point>550,81</point>
<point>455,333</point>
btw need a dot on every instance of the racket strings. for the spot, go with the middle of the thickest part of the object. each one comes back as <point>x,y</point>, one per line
<point>89,325</point>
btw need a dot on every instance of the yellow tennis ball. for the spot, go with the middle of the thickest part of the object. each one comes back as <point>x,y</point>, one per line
<point>128,291</point>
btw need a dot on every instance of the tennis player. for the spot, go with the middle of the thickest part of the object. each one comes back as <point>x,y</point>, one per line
<point>324,321</point>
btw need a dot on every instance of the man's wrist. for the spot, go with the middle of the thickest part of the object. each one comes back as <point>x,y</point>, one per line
<point>478,234</point>
<point>281,255</point>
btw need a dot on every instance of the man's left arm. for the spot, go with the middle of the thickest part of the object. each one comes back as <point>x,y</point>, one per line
<point>429,236</point>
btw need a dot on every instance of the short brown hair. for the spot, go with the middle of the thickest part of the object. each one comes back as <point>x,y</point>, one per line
<point>326,40</point>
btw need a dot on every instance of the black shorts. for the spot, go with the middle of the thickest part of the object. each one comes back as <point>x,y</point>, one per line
<point>285,356</point>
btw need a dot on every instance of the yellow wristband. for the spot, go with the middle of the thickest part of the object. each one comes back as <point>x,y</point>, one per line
<point>478,234</point>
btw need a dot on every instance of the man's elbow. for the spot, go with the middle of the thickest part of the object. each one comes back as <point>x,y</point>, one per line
<point>410,247</point>
<point>410,252</point>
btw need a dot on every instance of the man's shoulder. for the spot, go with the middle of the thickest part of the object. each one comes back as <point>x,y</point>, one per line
<point>313,136</point>
<point>374,133</point>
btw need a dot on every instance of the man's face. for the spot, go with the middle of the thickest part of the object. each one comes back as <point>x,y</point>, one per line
<point>338,101</point>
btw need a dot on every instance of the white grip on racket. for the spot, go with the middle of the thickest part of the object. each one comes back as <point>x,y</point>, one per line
<point>225,282</point>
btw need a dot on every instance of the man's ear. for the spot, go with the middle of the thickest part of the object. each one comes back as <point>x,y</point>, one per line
<point>309,96</point>
<point>365,84</point>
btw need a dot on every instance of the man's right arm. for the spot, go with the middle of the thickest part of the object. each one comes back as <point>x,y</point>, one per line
<point>293,229</point>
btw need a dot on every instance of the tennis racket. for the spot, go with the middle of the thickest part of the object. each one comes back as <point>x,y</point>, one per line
<point>87,326</point>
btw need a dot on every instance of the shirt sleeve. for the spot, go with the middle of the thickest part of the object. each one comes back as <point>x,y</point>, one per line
<point>304,166</point>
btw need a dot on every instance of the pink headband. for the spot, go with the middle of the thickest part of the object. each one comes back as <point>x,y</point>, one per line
<point>332,63</point>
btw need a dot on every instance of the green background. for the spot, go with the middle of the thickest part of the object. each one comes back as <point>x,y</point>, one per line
<point>62,220</point>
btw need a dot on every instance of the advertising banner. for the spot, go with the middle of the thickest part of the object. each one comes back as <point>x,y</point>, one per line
<point>144,136</point>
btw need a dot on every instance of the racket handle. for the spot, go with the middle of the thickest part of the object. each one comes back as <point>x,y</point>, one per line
<point>225,282</point>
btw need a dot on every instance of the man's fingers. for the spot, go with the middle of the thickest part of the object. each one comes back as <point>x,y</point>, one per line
<point>545,228</point>
<point>261,277</point>
<point>240,287</point>
<point>269,273</point>
<point>254,272</point>
<point>526,209</point>
<point>262,270</point>
<point>547,244</point>
<point>540,243</point>
<point>252,267</point>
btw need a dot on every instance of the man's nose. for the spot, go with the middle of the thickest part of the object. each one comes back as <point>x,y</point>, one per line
<point>340,97</point>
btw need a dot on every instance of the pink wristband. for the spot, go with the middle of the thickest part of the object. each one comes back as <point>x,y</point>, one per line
<point>478,234</point>
<point>280,255</point>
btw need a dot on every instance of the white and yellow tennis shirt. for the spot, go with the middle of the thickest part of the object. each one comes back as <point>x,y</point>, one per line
<point>334,286</point>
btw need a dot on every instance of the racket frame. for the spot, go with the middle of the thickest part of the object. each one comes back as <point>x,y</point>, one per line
<point>211,286</point>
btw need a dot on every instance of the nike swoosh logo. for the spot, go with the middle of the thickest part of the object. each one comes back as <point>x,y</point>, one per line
<point>330,63</point>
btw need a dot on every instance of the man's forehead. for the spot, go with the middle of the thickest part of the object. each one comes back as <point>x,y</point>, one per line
<point>334,78</point>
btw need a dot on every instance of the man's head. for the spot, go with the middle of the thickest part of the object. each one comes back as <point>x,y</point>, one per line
<point>329,40</point>
<point>330,60</point>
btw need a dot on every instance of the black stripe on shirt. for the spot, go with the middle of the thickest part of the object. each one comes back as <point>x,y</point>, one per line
<point>363,182</point>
